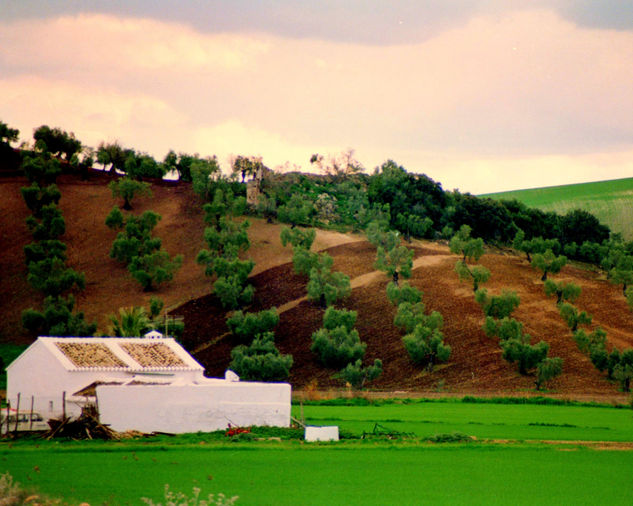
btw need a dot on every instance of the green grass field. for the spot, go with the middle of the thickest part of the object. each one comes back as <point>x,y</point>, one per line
<point>329,474</point>
<point>376,470</point>
<point>484,421</point>
<point>610,201</point>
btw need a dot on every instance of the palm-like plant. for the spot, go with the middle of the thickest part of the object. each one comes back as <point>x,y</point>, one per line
<point>131,322</point>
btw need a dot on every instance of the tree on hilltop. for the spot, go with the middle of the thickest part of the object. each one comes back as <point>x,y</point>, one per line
<point>56,141</point>
<point>8,134</point>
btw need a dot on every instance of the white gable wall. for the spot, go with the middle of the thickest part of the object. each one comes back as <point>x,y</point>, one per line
<point>36,373</point>
<point>191,408</point>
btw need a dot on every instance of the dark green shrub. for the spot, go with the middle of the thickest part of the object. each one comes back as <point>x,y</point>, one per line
<point>298,237</point>
<point>304,260</point>
<point>357,375</point>
<point>154,269</point>
<point>36,197</point>
<point>49,225</point>
<point>261,361</point>
<point>504,329</point>
<point>425,346</point>
<point>338,343</point>
<point>548,369</point>
<point>548,262</point>
<point>497,306</point>
<point>51,276</point>
<point>573,317</point>
<point>232,292</point>
<point>397,294</point>
<point>526,356</point>
<point>564,292</point>
<point>326,287</point>
<point>57,319</point>
<point>128,188</point>
<point>246,326</point>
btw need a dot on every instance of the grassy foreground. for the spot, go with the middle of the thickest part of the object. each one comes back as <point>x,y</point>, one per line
<point>609,201</point>
<point>376,470</point>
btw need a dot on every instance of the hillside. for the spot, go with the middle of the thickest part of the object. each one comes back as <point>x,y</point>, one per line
<point>609,201</point>
<point>476,364</point>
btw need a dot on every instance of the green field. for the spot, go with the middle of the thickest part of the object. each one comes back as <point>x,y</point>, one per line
<point>484,421</point>
<point>376,470</point>
<point>610,201</point>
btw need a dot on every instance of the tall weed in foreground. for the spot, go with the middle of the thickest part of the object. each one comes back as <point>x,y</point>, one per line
<point>12,494</point>
<point>181,499</point>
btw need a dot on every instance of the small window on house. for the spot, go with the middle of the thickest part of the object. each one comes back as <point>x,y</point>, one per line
<point>50,406</point>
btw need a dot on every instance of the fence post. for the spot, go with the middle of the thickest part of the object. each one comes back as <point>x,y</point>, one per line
<point>17,411</point>
<point>31,413</point>
<point>64,404</point>
<point>8,413</point>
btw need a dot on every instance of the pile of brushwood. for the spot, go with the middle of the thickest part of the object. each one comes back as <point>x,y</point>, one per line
<point>86,426</point>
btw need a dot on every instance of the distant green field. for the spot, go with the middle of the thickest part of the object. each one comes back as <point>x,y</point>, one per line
<point>610,201</point>
<point>377,470</point>
<point>484,421</point>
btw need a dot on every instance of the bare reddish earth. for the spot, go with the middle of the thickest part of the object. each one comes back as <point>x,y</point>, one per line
<point>476,365</point>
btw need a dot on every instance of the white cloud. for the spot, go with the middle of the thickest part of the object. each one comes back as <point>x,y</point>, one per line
<point>101,41</point>
<point>489,102</point>
<point>94,114</point>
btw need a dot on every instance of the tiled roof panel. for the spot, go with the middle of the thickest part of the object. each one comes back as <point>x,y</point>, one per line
<point>89,354</point>
<point>153,354</point>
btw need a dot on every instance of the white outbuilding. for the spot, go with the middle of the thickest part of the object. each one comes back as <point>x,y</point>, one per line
<point>147,384</point>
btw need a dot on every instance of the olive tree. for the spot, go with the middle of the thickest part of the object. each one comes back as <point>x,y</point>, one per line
<point>337,343</point>
<point>357,375</point>
<point>548,262</point>
<point>326,287</point>
<point>547,369</point>
<point>261,360</point>
<point>127,188</point>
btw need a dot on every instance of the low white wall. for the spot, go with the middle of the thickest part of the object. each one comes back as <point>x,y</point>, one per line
<point>193,408</point>
<point>327,433</point>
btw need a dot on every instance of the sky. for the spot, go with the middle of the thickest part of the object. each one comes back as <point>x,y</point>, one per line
<point>480,95</point>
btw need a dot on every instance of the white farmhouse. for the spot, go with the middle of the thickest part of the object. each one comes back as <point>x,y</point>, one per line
<point>139,384</point>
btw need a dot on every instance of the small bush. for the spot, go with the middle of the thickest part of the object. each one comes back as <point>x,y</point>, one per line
<point>246,326</point>
<point>357,375</point>
<point>180,499</point>
<point>397,294</point>
<point>548,369</point>
<point>454,437</point>
<point>527,356</point>
<point>261,361</point>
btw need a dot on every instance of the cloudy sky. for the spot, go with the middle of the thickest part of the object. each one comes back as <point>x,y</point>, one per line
<point>481,95</point>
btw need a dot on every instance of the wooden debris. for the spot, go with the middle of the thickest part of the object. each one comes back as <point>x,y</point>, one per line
<point>87,426</point>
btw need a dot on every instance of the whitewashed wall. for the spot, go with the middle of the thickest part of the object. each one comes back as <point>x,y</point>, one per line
<point>36,374</point>
<point>192,408</point>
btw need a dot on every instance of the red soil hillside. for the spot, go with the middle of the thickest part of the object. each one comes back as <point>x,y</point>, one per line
<point>475,366</point>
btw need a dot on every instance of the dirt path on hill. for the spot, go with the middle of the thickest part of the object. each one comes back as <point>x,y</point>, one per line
<point>370,278</point>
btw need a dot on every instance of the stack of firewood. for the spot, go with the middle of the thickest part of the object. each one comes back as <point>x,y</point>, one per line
<point>87,426</point>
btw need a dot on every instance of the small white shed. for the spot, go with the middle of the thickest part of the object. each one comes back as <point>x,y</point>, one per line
<point>139,383</point>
